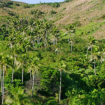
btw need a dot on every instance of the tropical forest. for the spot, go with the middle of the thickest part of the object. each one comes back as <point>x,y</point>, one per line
<point>52,53</point>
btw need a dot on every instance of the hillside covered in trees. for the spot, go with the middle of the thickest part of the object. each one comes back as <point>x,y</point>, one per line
<point>52,53</point>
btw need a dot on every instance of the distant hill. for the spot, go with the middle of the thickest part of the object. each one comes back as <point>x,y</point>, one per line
<point>78,12</point>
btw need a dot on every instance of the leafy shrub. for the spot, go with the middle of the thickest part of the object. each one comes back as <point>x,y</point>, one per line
<point>6,4</point>
<point>31,5</point>
<point>68,0</point>
<point>53,12</point>
<point>54,4</point>
<point>77,24</point>
<point>103,16</point>
<point>52,102</point>
<point>17,4</point>
<point>11,13</point>
<point>26,6</point>
<point>69,27</point>
<point>37,13</point>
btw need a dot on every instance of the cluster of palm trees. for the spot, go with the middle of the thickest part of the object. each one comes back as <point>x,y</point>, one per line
<point>20,44</point>
<point>24,40</point>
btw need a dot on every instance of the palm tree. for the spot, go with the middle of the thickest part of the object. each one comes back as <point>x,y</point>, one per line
<point>71,46</point>
<point>14,62</point>
<point>1,78</point>
<point>91,42</point>
<point>2,84</point>
<point>61,67</point>
<point>33,67</point>
<point>53,39</point>
<point>3,64</point>
<point>34,70</point>
<point>23,65</point>
<point>95,57</point>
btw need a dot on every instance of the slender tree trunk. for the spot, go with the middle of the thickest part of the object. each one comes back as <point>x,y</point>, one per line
<point>54,42</point>
<point>1,79</point>
<point>33,84</point>
<point>60,86</point>
<point>91,51</point>
<point>71,47</point>
<point>45,43</point>
<point>46,40</point>
<point>101,62</point>
<point>87,52</point>
<point>38,41</point>
<point>22,75</point>
<point>12,75</point>
<point>102,103</point>
<point>94,67</point>
<point>69,39</point>
<point>3,87</point>
<point>13,70</point>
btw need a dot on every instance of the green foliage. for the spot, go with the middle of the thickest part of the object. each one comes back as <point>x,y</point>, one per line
<point>103,16</point>
<point>56,4</point>
<point>7,3</point>
<point>38,51</point>
<point>37,13</point>
<point>28,6</point>
<point>52,102</point>
<point>53,12</point>
<point>11,13</point>
<point>68,0</point>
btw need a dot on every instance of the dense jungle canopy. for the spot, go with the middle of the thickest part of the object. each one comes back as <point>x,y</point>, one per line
<point>52,53</point>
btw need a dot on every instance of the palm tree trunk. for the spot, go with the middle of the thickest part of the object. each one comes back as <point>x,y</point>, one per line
<point>69,39</point>
<point>3,87</point>
<point>13,70</point>
<point>91,51</point>
<point>1,79</point>
<point>33,84</point>
<point>71,47</point>
<point>12,75</point>
<point>54,42</point>
<point>45,43</point>
<point>60,86</point>
<point>46,40</point>
<point>87,52</point>
<point>94,67</point>
<point>38,41</point>
<point>22,76</point>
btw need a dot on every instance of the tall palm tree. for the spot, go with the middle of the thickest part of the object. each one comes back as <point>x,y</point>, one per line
<point>2,84</point>
<point>33,67</point>
<point>23,65</point>
<point>1,78</point>
<point>14,62</point>
<point>92,41</point>
<point>95,57</point>
<point>71,46</point>
<point>4,64</point>
<point>61,67</point>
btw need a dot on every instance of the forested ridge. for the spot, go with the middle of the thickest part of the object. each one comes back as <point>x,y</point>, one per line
<point>43,62</point>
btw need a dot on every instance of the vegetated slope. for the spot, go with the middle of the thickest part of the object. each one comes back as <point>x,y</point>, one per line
<point>83,12</point>
<point>37,57</point>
